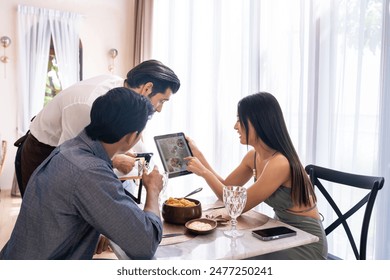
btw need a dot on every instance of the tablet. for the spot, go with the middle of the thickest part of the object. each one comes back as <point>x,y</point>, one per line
<point>173,148</point>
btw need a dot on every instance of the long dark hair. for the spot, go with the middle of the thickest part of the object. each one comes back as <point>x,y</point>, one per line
<point>264,112</point>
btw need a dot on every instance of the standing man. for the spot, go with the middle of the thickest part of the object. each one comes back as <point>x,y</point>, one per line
<point>74,195</point>
<point>68,113</point>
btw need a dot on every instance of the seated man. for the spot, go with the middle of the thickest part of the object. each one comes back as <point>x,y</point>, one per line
<point>74,195</point>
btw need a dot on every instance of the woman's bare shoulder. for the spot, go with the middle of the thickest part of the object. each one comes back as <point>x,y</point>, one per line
<point>279,158</point>
<point>249,157</point>
<point>280,164</point>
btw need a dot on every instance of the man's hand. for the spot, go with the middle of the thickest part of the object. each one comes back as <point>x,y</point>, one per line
<point>153,183</point>
<point>102,245</point>
<point>124,162</point>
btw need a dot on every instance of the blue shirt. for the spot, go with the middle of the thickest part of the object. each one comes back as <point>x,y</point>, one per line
<point>71,198</point>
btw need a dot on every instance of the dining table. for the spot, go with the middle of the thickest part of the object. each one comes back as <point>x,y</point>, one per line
<point>178,243</point>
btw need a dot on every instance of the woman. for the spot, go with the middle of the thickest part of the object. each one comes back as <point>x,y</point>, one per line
<point>279,179</point>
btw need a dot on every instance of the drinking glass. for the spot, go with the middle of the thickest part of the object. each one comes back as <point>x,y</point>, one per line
<point>234,198</point>
<point>163,194</point>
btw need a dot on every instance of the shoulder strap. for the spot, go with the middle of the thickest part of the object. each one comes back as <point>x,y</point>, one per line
<point>254,167</point>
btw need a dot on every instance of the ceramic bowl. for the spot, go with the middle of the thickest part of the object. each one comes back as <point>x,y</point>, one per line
<point>201,226</point>
<point>180,214</point>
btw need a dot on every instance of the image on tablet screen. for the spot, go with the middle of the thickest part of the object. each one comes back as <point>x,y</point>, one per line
<point>173,148</point>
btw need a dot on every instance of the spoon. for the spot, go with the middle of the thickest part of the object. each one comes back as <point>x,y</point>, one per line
<point>194,192</point>
<point>172,235</point>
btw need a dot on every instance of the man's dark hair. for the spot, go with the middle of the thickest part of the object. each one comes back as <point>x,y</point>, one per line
<point>117,113</point>
<point>153,71</point>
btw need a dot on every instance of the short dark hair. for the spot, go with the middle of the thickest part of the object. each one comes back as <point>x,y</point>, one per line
<point>118,112</point>
<point>153,71</point>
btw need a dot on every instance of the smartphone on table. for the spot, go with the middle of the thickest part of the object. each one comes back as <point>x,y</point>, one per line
<point>273,233</point>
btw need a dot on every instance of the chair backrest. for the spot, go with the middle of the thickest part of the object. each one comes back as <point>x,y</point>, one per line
<point>370,183</point>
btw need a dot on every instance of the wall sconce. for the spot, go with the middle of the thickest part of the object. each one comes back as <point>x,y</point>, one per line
<point>5,41</point>
<point>113,54</point>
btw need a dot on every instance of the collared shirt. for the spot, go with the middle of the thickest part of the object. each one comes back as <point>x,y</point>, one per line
<point>69,112</point>
<point>74,196</point>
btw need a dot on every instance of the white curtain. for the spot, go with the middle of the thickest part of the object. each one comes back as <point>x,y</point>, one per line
<point>321,59</point>
<point>34,44</point>
<point>64,28</point>
<point>383,226</point>
<point>347,115</point>
<point>35,27</point>
<point>208,45</point>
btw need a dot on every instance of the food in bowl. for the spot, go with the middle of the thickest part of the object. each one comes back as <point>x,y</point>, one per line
<point>201,226</point>
<point>181,202</point>
<point>179,214</point>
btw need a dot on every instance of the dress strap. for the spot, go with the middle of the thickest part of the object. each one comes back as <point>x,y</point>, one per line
<point>254,168</point>
<point>254,165</point>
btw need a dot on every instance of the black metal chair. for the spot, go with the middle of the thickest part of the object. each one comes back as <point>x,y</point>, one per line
<point>370,183</point>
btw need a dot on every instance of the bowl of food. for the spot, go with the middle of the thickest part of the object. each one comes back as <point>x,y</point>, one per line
<point>181,210</point>
<point>201,226</point>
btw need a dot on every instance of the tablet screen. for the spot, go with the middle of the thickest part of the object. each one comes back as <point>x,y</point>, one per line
<point>173,148</point>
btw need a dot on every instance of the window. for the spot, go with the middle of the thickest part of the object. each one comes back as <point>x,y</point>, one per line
<point>321,59</point>
<point>53,82</point>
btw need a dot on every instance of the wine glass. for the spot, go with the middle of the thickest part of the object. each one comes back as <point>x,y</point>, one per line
<point>234,198</point>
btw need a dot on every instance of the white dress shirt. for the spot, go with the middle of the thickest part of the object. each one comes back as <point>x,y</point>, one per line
<point>68,113</point>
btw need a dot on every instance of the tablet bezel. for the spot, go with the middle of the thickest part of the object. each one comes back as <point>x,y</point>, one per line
<point>165,155</point>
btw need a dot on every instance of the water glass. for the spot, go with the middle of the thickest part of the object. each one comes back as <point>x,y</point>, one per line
<point>234,198</point>
<point>163,194</point>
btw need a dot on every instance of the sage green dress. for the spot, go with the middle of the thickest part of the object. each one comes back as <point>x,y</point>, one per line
<point>280,200</point>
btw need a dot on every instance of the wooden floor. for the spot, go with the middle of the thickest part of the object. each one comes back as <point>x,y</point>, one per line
<point>9,210</point>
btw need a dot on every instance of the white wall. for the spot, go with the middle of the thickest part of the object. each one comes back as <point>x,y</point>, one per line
<point>107,24</point>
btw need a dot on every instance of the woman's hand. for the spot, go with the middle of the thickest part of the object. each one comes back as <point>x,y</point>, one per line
<point>194,149</point>
<point>195,166</point>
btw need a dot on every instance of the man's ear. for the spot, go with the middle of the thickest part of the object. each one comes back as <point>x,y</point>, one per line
<point>146,89</point>
<point>131,138</point>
